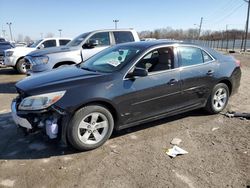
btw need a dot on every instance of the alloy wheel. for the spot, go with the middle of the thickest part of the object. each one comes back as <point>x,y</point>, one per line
<point>93,128</point>
<point>220,99</point>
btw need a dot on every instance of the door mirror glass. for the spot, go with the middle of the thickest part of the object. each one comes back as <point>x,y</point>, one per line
<point>41,46</point>
<point>91,43</point>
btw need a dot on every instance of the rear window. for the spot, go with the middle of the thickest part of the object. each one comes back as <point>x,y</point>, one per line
<point>123,36</point>
<point>190,56</point>
<point>63,42</point>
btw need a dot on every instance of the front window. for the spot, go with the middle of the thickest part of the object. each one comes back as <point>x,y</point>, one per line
<point>111,59</point>
<point>157,60</point>
<point>102,38</point>
<point>78,40</point>
<point>34,45</point>
<point>49,43</point>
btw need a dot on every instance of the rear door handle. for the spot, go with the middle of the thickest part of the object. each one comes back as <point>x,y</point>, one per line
<point>210,72</point>
<point>172,82</point>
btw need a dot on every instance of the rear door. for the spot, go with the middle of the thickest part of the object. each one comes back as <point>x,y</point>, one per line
<point>197,70</point>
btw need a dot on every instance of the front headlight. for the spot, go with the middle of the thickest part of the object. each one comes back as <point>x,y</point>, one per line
<point>40,60</point>
<point>9,53</point>
<point>39,102</point>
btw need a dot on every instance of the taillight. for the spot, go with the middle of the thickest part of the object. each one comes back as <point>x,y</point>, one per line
<point>237,62</point>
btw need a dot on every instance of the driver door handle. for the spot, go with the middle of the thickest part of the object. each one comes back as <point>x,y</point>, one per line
<point>210,72</point>
<point>172,82</point>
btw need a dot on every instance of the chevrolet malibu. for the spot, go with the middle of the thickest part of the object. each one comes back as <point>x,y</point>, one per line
<point>124,86</point>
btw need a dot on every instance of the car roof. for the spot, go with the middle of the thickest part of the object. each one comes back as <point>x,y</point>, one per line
<point>5,43</point>
<point>152,43</point>
<point>160,42</point>
<point>109,30</point>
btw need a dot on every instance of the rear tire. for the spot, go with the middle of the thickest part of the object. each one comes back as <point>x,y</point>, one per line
<point>20,66</point>
<point>90,127</point>
<point>218,99</point>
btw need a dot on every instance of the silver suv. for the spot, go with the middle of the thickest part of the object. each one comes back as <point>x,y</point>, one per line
<point>79,49</point>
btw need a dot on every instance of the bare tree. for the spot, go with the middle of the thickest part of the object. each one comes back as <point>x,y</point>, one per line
<point>20,38</point>
<point>49,35</point>
<point>27,39</point>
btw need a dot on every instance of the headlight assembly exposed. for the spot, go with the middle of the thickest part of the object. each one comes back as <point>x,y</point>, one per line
<point>40,60</point>
<point>39,102</point>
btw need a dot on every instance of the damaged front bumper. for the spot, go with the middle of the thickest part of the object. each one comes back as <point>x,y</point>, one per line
<point>18,120</point>
<point>48,120</point>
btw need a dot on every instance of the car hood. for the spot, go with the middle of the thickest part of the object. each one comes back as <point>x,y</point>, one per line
<point>21,50</point>
<point>52,50</point>
<point>58,79</point>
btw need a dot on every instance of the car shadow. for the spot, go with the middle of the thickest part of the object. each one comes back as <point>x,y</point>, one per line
<point>8,87</point>
<point>16,145</point>
<point>8,71</point>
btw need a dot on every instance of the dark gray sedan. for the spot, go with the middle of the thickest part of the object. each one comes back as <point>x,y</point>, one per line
<point>123,86</point>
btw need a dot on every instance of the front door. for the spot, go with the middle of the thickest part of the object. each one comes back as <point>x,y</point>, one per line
<point>155,94</point>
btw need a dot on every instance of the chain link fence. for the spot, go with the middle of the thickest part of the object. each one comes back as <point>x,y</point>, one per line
<point>228,45</point>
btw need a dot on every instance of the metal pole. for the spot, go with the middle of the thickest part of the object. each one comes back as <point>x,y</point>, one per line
<point>234,42</point>
<point>115,21</point>
<point>200,28</point>
<point>9,24</point>
<point>227,38</point>
<point>60,32</point>
<point>248,9</point>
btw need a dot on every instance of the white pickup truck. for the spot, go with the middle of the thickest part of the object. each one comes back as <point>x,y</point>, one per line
<point>78,50</point>
<point>15,57</point>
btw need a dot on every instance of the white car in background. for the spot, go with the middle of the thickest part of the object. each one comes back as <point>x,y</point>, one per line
<point>15,57</point>
<point>78,50</point>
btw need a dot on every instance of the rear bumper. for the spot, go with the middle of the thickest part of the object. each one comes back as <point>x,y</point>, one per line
<point>236,77</point>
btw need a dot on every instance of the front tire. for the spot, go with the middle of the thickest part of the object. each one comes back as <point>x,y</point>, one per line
<point>90,127</point>
<point>21,67</point>
<point>218,99</point>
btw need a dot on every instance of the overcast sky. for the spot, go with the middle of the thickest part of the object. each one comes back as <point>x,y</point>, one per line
<point>33,17</point>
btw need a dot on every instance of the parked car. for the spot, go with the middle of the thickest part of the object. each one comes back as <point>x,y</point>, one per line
<point>20,44</point>
<point>2,39</point>
<point>123,86</point>
<point>15,57</point>
<point>79,49</point>
<point>4,46</point>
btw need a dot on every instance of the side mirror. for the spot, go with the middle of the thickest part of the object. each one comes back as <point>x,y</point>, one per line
<point>40,46</point>
<point>91,43</point>
<point>138,72</point>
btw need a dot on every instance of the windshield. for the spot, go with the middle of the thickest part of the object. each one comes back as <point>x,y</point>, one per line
<point>111,59</point>
<point>78,40</point>
<point>34,45</point>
